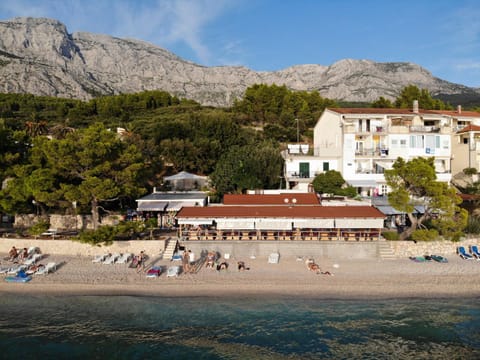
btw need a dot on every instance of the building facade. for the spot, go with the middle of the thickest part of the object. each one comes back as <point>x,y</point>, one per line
<point>361,143</point>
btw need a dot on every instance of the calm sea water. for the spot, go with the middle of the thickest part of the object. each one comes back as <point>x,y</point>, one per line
<point>121,327</point>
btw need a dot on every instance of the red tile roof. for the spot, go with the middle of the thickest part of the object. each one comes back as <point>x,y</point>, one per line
<point>326,212</point>
<point>395,111</point>
<point>271,199</point>
<point>469,128</point>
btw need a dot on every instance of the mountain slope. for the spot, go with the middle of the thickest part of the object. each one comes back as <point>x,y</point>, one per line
<point>39,56</point>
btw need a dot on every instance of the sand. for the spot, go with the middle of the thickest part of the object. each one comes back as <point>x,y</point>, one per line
<point>352,279</point>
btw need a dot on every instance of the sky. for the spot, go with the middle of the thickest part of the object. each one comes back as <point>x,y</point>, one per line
<point>443,36</point>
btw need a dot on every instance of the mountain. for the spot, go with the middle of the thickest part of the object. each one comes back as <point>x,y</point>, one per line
<point>39,56</point>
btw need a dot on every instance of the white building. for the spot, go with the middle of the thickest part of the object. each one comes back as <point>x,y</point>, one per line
<point>361,143</point>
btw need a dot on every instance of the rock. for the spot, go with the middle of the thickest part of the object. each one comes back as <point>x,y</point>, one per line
<point>39,56</point>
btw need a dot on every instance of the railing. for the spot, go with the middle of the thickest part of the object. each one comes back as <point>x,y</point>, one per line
<point>298,175</point>
<point>280,235</point>
<point>372,152</point>
<point>424,129</point>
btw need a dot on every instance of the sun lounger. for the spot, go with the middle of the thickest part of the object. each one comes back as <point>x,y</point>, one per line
<point>463,253</point>
<point>273,258</point>
<point>50,267</point>
<point>173,271</point>
<point>99,258</point>
<point>15,269</point>
<point>111,259</point>
<point>154,272</point>
<point>33,259</point>
<point>474,251</point>
<point>124,258</point>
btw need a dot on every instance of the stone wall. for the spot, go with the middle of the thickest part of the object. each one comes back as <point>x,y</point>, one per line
<point>63,222</point>
<point>404,249</point>
<point>245,249</point>
<point>69,247</point>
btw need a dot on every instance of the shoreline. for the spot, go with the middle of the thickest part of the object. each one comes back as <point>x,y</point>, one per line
<point>353,280</point>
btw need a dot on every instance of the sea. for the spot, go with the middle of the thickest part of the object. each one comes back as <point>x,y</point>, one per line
<point>147,327</point>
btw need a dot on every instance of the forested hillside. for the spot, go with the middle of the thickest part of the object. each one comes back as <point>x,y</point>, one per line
<point>44,139</point>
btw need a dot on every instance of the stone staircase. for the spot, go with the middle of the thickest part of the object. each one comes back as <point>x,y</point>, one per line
<point>170,248</point>
<point>385,250</point>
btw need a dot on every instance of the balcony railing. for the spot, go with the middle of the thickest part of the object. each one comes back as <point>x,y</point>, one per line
<point>372,152</point>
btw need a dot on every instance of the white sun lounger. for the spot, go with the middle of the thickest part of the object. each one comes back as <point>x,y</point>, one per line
<point>99,258</point>
<point>124,258</point>
<point>15,269</point>
<point>50,267</point>
<point>33,259</point>
<point>111,259</point>
<point>173,271</point>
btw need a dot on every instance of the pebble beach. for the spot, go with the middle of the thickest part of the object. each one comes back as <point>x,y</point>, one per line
<point>290,277</point>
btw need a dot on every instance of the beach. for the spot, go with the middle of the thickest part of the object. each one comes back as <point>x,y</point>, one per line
<point>351,279</point>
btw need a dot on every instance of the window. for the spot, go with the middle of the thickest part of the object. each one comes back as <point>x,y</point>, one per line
<point>394,143</point>
<point>383,190</point>
<point>465,140</point>
<point>326,166</point>
<point>403,143</point>
<point>417,141</point>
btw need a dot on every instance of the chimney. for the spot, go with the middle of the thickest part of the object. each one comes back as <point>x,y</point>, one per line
<point>415,106</point>
<point>459,109</point>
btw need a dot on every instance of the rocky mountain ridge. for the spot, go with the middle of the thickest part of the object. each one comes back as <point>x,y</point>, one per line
<point>39,56</point>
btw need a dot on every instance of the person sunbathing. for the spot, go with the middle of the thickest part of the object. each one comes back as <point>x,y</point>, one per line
<point>222,266</point>
<point>241,266</point>
<point>312,266</point>
<point>32,269</point>
<point>210,261</point>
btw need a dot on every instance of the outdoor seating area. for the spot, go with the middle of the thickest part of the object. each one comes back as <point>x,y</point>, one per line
<point>199,234</point>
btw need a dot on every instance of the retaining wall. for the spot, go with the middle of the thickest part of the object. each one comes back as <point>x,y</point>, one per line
<point>245,249</point>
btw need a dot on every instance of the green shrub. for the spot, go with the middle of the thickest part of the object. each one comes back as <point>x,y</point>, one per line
<point>391,235</point>
<point>425,235</point>
<point>103,235</point>
<point>38,228</point>
<point>473,225</point>
<point>470,171</point>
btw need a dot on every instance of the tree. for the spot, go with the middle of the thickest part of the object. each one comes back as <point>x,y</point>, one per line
<point>332,182</point>
<point>90,166</point>
<point>425,100</point>
<point>382,103</point>
<point>247,167</point>
<point>414,183</point>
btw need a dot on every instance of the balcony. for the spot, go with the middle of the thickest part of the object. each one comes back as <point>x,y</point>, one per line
<point>371,152</point>
<point>425,129</point>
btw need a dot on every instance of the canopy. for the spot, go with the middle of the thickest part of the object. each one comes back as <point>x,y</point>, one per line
<point>152,206</point>
<point>183,175</point>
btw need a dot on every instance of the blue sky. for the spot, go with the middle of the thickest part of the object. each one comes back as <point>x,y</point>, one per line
<point>443,36</point>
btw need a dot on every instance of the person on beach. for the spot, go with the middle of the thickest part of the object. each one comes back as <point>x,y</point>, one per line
<point>210,261</point>
<point>24,254</point>
<point>222,266</point>
<point>13,253</point>
<point>241,266</point>
<point>312,266</point>
<point>141,261</point>
<point>186,262</point>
